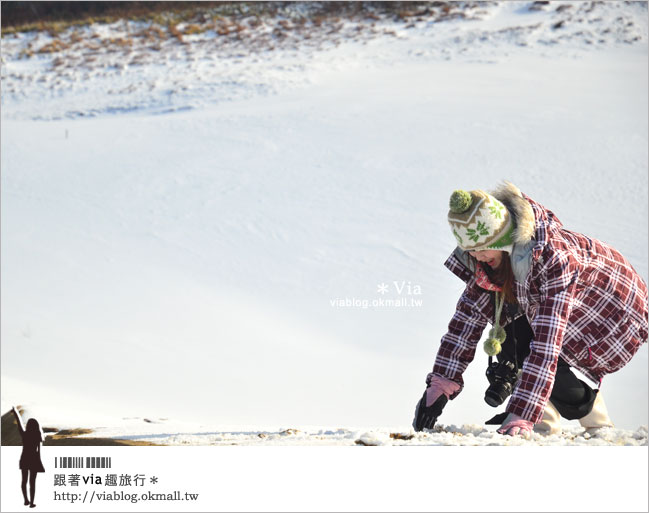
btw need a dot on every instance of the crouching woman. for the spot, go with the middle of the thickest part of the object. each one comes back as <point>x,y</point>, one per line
<point>557,300</point>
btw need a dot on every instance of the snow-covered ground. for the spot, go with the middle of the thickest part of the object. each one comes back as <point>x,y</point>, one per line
<point>465,435</point>
<point>195,229</point>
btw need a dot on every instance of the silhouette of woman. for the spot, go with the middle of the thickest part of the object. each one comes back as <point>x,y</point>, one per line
<point>30,459</point>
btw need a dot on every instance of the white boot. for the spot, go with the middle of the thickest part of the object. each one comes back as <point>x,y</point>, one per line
<point>550,424</point>
<point>598,417</point>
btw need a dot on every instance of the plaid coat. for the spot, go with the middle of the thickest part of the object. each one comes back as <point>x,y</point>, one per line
<point>582,298</point>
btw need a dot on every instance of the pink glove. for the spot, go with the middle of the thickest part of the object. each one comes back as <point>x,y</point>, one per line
<point>437,385</point>
<point>515,425</point>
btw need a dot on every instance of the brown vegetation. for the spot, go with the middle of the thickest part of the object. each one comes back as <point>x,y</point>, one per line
<point>55,17</point>
<point>11,435</point>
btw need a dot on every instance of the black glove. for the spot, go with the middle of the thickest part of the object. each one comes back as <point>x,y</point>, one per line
<point>426,416</point>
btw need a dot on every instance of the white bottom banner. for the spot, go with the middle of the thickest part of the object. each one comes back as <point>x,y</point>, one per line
<point>331,479</point>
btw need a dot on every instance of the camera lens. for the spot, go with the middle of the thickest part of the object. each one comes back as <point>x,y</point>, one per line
<point>495,395</point>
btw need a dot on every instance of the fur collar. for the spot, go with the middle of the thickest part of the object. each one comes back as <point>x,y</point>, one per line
<point>520,209</point>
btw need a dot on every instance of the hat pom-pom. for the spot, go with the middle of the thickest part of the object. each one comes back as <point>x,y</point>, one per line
<point>492,346</point>
<point>495,340</point>
<point>499,333</point>
<point>460,201</point>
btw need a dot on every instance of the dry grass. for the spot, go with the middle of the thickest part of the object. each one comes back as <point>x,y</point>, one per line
<point>58,439</point>
<point>173,30</point>
<point>11,435</point>
<point>152,33</point>
<point>57,18</point>
<point>197,14</point>
<point>255,23</point>
<point>193,28</point>
<point>55,46</point>
<point>401,436</point>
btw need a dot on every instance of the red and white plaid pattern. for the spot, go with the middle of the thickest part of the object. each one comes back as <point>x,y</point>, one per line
<point>584,302</point>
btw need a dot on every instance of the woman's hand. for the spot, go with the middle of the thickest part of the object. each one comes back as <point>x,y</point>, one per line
<point>515,425</point>
<point>432,403</point>
<point>426,415</point>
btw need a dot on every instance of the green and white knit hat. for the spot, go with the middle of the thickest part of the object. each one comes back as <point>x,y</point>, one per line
<point>479,221</point>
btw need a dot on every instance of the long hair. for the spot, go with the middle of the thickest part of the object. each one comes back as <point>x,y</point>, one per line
<point>33,431</point>
<point>503,276</point>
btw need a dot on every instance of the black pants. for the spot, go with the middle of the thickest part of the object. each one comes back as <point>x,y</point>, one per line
<point>572,398</point>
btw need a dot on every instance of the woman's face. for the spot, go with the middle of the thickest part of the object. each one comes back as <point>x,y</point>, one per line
<point>492,257</point>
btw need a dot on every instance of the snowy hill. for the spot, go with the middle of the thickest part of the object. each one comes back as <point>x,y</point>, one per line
<point>128,65</point>
<point>197,222</point>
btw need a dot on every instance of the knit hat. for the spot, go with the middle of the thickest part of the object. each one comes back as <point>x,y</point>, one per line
<point>479,221</point>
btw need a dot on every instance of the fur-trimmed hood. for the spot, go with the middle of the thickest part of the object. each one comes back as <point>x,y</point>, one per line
<point>520,210</point>
<point>524,228</point>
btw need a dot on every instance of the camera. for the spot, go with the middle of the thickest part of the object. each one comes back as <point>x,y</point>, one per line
<point>502,378</point>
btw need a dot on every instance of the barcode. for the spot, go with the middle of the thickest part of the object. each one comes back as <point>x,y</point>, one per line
<point>81,462</point>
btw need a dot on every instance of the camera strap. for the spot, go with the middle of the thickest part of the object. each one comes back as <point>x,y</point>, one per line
<point>512,314</point>
<point>511,311</point>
